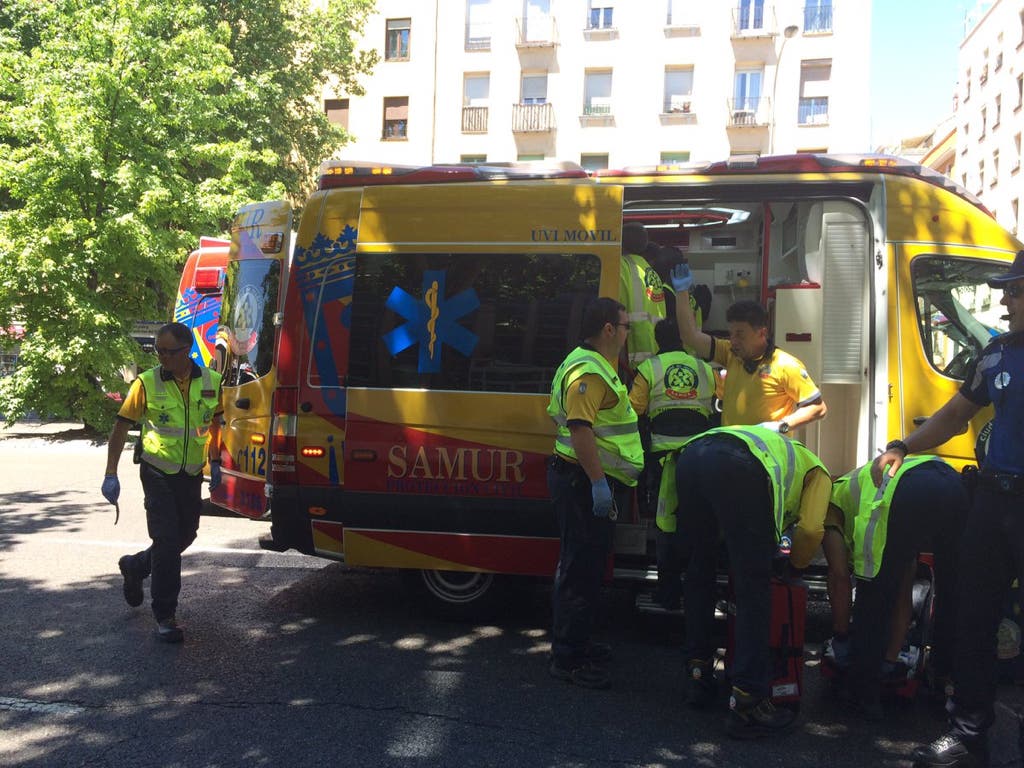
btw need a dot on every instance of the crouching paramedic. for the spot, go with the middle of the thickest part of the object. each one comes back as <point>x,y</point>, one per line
<point>597,457</point>
<point>177,404</point>
<point>881,531</point>
<point>752,484</point>
<point>675,390</point>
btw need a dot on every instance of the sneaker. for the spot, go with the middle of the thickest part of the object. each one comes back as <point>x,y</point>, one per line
<point>597,653</point>
<point>132,587</point>
<point>837,652</point>
<point>585,674</point>
<point>950,750</point>
<point>753,718</point>
<point>702,688</point>
<point>168,631</point>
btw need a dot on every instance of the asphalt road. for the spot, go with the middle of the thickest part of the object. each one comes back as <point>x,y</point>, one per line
<point>292,661</point>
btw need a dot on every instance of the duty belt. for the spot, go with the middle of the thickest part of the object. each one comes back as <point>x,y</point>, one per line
<point>1001,482</point>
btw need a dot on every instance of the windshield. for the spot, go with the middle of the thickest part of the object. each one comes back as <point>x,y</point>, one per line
<point>958,313</point>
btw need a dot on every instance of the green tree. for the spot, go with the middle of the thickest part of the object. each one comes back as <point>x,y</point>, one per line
<point>127,129</point>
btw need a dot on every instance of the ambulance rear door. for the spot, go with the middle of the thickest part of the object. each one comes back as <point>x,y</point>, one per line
<point>250,315</point>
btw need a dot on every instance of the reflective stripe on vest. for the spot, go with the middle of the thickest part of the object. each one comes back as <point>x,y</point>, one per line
<point>615,429</point>
<point>174,432</point>
<point>866,513</point>
<point>654,369</point>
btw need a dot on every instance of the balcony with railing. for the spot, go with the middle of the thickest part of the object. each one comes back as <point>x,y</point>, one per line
<point>817,19</point>
<point>752,21</point>
<point>533,118</point>
<point>813,111</point>
<point>474,119</point>
<point>750,112</point>
<point>677,109</point>
<point>478,37</point>
<point>536,32</point>
<point>598,111</point>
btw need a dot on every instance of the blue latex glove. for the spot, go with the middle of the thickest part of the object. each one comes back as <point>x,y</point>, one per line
<point>111,488</point>
<point>214,475</point>
<point>602,496</point>
<point>682,278</point>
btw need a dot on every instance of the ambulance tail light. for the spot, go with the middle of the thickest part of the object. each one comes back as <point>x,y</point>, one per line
<point>282,436</point>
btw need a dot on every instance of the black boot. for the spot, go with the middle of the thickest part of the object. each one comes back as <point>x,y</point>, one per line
<point>703,688</point>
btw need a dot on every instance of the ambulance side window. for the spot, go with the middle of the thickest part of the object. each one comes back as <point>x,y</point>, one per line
<point>956,313</point>
<point>246,326</point>
<point>467,322</point>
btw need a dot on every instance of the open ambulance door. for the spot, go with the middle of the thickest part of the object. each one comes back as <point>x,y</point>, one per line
<point>250,311</point>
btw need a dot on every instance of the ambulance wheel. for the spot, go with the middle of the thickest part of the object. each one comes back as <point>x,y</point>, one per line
<point>454,594</point>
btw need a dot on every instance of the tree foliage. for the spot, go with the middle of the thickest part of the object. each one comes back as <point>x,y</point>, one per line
<point>127,129</point>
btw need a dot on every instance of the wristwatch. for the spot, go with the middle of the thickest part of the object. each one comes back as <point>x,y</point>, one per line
<point>899,444</point>
<point>783,427</point>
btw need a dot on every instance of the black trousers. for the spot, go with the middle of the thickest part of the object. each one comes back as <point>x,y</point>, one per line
<point>173,504</point>
<point>586,542</point>
<point>721,486</point>
<point>991,556</point>
<point>927,514</point>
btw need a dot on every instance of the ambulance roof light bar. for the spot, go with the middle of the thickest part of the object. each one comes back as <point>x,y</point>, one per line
<point>802,163</point>
<point>341,173</point>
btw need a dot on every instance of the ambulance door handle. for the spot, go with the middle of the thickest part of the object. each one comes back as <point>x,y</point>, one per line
<point>243,403</point>
<point>306,407</point>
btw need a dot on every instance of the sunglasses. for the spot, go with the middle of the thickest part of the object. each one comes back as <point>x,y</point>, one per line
<point>623,325</point>
<point>164,352</point>
<point>1014,291</point>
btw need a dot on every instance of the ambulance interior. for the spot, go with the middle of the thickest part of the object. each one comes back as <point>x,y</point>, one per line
<point>807,261</point>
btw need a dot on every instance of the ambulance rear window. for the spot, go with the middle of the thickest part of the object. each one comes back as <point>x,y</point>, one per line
<point>470,322</point>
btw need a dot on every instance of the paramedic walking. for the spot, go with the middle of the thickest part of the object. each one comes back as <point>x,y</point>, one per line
<point>992,550</point>
<point>597,456</point>
<point>177,405</point>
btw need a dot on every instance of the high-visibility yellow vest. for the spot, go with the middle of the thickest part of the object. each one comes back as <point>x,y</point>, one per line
<point>174,433</point>
<point>641,290</point>
<point>668,500</point>
<point>615,429</point>
<point>678,381</point>
<point>866,513</point>
<point>786,461</point>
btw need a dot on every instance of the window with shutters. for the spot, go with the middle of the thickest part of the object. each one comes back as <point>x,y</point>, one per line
<point>396,46</point>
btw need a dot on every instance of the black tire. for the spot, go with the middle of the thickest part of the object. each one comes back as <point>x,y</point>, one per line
<point>455,594</point>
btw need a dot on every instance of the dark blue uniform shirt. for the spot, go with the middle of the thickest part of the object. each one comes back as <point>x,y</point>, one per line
<point>997,377</point>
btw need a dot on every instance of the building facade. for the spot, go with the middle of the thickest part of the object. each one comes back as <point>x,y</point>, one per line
<point>609,83</point>
<point>989,114</point>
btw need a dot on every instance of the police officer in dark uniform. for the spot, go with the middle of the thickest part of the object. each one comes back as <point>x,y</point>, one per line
<point>992,549</point>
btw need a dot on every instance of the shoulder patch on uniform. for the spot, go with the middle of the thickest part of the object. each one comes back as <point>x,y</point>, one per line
<point>803,374</point>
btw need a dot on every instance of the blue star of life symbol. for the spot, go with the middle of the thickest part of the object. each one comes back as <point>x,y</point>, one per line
<point>431,321</point>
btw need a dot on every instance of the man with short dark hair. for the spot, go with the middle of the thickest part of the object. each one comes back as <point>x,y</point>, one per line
<point>763,384</point>
<point>597,456</point>
<point>178,406</point>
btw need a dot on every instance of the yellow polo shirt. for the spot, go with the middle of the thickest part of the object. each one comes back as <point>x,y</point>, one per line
<point>776,388</point>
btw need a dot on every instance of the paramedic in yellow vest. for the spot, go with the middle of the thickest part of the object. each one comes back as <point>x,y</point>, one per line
<point>763,384</point>
<point>177,406</point>
<point>676,391</point>
<point>642,292</point>
<point>597,458</point>
<point>663,258</point>
<point>880,532</point>
<point>765,494</point>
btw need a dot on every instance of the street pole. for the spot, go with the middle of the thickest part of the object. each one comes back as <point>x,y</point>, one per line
<point>787,33</point>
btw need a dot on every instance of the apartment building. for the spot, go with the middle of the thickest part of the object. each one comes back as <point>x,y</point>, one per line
<point>989,115</point>
<point>609,83</point>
